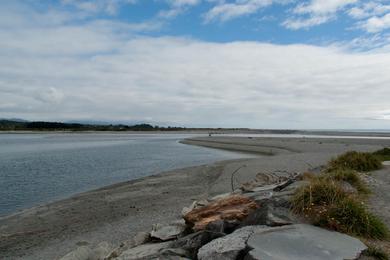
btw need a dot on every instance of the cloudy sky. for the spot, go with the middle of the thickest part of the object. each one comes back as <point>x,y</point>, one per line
<point>316,64</point>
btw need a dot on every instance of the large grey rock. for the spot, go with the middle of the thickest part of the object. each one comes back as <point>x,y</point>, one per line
<point>146,251</point>
<point>270,215</point>
<point>302,242</point>
<point>168,232</point>
<point>228,247</point>
<point>101,251</point>
<point>192,242</point>
<point>80,253</point>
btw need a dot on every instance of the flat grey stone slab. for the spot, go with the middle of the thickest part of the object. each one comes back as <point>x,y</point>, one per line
<point>227,247</point>
<point>168,232</point>
<point>302,242</point>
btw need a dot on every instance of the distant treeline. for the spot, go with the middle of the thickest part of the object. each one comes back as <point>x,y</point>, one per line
<point>58,126</point>
<point>20,125</point>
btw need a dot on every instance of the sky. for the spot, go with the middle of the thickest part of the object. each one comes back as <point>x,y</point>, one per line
<point>275,64</point>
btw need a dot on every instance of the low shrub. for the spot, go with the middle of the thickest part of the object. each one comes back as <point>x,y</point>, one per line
<point>357,161</point>
<point>383,154</point>
<point>326,204</point>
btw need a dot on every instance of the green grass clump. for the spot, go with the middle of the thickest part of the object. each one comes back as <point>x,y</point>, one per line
<point>383,154</point>
<point>351,216</point>
<point>350,176</point>
<point>357,161</point>
<point>376,253</point>
<point>326,204</point>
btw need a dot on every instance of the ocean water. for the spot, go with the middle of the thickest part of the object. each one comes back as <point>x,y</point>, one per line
<point>39,168</point>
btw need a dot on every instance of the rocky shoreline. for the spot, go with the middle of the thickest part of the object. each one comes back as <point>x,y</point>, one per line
<point>253,222</point>
<point>119,212</point>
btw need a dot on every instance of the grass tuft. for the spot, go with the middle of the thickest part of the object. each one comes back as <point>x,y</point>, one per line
<point>383,154</point>
<point>376,252</point>
<point>326,204</point>
<point>350,176</point>
<point>357,161</point>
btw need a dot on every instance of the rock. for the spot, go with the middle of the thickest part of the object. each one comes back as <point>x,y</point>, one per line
<point>101,251</point>
<point>347,187</point>
<point>229,247</point>
<point>194,205</point>
<point>138,239</point>
<point>174,254</point>
<point>275,221</point>
<point>146,251</point>
<point>141,238</point>
<point>270,215</point>
<point>279,216</point>
<point>302,242</point>
<point>168,232</point>
<point>186,210</point>
<point>81,253</point>
<point>222,226</point>
<point>284,184</point>
<point>191,243</point>
<point>231,208</point>
<point>257,216</point>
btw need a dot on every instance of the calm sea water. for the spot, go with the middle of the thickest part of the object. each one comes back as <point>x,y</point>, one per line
<point>38,168</point>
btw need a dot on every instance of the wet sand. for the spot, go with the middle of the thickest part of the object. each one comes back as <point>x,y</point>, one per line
<point>115,213</point>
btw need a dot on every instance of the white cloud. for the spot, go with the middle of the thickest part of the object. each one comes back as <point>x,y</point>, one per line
<point>368,9</point>
<point>322,7</point>
<point>181,3</point>
<point>318,12</point>
<point>96,6</point>
<point>376,24</point>
<point>92,71</point>
<point>299,23</point>
<point>177,7</point>
<point>226,11</point>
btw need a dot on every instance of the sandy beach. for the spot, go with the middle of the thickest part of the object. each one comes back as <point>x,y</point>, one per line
<point>115,213</point>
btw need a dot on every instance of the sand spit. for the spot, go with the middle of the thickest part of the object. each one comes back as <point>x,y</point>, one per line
<point>117,212</point>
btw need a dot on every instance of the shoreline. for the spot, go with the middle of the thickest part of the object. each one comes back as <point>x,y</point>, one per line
<point>114,213</point>
<point>267,133</point>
